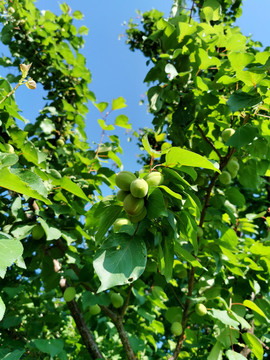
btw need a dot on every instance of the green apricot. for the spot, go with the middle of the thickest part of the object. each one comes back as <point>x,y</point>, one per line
<point>124,179</point>
<point>60,142</point>
<point>225,178</point>
<point>117,300</point>
<point>69,294</point>
<point>139,188</point>
<point>200,309</point>
<point>176,328</point>
<point>119,223</point>
<point>9,148</point>
<point>138,217</point>
<point>37,232</point>
<point>233,166</point>
<point>132,205</point>
<point>121,194</point>
<point>226,134</point>
<point>154,178</point>
<point>94,309</point>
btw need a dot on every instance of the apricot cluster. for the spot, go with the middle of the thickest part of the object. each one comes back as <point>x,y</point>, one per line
<point>133,192</point>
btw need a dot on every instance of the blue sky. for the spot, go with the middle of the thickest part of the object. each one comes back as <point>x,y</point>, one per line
<point>116,71</point>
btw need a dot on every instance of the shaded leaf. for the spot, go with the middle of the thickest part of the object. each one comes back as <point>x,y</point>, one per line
<point>120,260</point>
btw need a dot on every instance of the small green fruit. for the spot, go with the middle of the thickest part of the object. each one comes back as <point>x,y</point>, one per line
<point>233,166</point>
<point>200,309</point>
<point>121,194</point>
<point>117,300</point>
<point>132,205</point>
<point>139,188</point>
<point>60,142</point>
<point>69,294</point>
<point>9,148</point>
<point>155,178</point>
<point>225,178</point>
<point>37,232</point>
<point>176,328</point>
<point>119,223</point>
<point>124,179</point>
<point>226,134</point>
<point>94,309</point>
<point>138,217</point>
<point>199,231</point>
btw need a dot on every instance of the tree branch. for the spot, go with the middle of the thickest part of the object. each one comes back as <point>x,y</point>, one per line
<point>75,312</point>
<point>208,141</point>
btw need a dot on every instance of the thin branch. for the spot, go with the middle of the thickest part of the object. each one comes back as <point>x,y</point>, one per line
<point>208,141</point>
<point>118,322</point>
<point>76,314</point>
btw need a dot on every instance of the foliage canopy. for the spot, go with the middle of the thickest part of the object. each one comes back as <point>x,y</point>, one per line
<point>187,275</point>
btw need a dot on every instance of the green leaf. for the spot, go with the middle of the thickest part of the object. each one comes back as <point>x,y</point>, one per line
<point>14,183</point>
<point>177,156</point>
<point>156,205</point>
<point>253,343</point>
<point>2,308</point>
<point>166,257</point>
<point>232,355</point>
<point>251,305</point>
<point>240,100</point>
<point>8,159</point>
<point>118,103</point>
<point>187,256</point>
<point>170,192</point>
<point>52,346</point>
<point>78,15</point>
<point>32,154</point>
<point>235,197</point>
<point>103,125</point>
<point>121,260</point>
<point>122,120</point>
<point>155,154</point>
<point>239,60</point>
<point>52,233</point>
<point>14,355</point>
<point>109,215</point>
<point>242,136</point>
<point>101,106</point>
<point>211,10</point>
<point>171,71</point>
<point>10,251</point>
<point>73,188</point>
<point>216,352</point>
<point>223,316</point>
<point>47,126</point>
<point>32,180</point>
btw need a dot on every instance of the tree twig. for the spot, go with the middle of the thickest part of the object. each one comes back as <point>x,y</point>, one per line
<point>208,141</point>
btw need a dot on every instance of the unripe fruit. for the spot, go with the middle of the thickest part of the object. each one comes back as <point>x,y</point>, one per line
<point>132,205</point>
<point>69,294</point>
<point>226,134</point>
<point>225,178</point>
<point>119,223</point>
<point>176,328</point>
<point>124,179</point>
<point>121,194</point>
<point>37,232</point>
<point>117,300</point>
<point>139,188</point>
<point>60,142</point>
<point>200,309</point>
<point>199,231</point>
<point>94,309</point>
<point>139,217</point>
<point>233,166</point>
<point>155,178</point>
<point>9,148</point>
